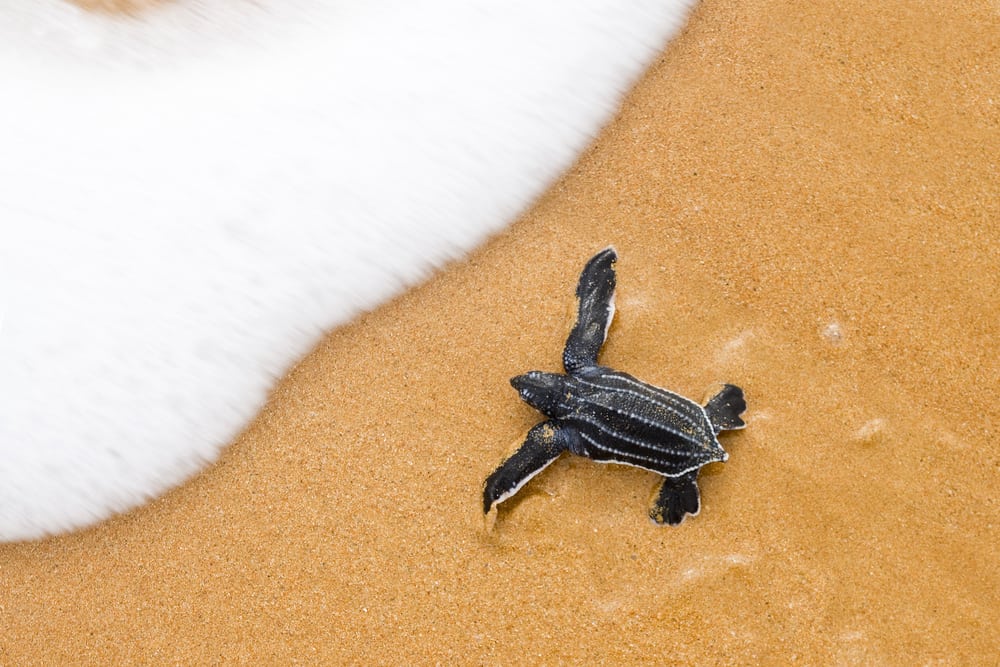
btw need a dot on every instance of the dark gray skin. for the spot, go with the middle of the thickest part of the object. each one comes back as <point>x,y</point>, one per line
<point>610,416</point>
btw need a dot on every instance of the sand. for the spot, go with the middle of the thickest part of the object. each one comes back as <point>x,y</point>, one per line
<point>806,201</point>
<point>120,7</point>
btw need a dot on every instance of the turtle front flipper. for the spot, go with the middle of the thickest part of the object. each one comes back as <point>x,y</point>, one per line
<point>544,444</point>
<point>677,498</point>
<point>596,307</point>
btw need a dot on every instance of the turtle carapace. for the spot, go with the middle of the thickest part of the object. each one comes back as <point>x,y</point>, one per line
<point>610,416</point>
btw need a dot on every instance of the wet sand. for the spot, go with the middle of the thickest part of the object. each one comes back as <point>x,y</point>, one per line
<point>806,202</point>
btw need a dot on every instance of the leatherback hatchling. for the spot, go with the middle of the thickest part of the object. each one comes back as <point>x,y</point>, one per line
<point>611,417</point>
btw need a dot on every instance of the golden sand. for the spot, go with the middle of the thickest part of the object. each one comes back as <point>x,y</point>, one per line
<point>127,7</point>
<point>806,201</point>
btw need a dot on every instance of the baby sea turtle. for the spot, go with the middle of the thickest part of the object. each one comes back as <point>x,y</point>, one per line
<point>611,417</point>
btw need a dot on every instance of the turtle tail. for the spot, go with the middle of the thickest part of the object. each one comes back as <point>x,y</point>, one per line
<point>724,409</point>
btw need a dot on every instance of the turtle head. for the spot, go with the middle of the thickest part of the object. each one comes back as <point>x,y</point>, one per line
<point>542,391</point>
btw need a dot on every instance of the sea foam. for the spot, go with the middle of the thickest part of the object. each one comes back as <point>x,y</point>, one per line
<point>191,197</point>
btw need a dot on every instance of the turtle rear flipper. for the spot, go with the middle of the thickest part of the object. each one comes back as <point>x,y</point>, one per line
<point>678,497</point>
<point>724,409</point>
<point>595,295</point>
